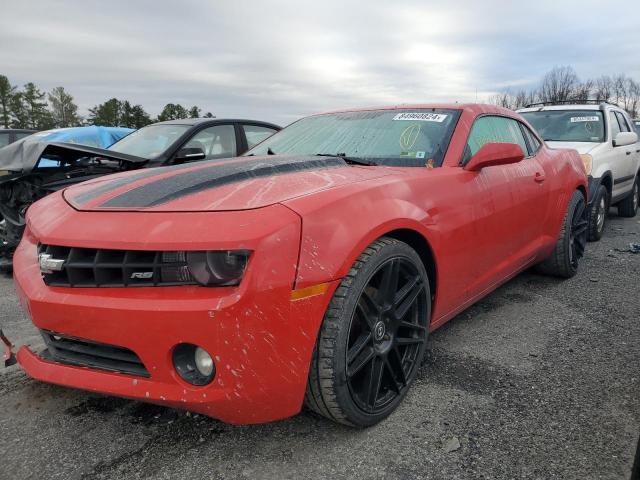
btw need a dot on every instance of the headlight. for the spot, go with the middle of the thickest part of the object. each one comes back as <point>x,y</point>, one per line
<point>588,162</point>
<point>222,268</point>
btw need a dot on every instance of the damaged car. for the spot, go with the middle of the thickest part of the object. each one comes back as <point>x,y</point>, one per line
<point>30,168</point>
<point>36,166</point>
<point>307,273</point>
<point>10,135</point>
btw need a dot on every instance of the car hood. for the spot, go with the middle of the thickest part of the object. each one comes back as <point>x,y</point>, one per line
<point>238,184</point>
<point>22,156</point>
<point>581,147</point>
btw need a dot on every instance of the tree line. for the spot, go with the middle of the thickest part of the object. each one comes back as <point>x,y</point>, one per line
<point>30,107</point>
<point>563,84</point>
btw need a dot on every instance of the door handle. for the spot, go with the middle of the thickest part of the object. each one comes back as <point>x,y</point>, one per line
<point>540,177</point>
<point>629,153</point>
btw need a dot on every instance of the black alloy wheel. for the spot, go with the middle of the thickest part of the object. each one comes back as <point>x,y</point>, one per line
<point>578,234</point>
<point>385,335</point>
<point>373,336</point>
<point>597,214</point>
<point>572,240</point>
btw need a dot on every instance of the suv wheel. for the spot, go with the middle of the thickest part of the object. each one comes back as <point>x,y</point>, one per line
<point>629,206</point>
<point>598,214</point>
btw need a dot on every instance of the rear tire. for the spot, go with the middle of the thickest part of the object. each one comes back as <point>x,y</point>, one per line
<point>373,336</point>
<point>629,206</point>
<point>563,262</point>
<point>598,214</point>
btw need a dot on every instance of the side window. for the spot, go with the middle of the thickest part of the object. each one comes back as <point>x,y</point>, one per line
<point>624,126</point>
<point>215,142</point>
<point>615,126</point>
<point>493,129</point>
<point>532,140</point>
<point>255,134</point>
<point>4,139</point>
<point>22,135</point>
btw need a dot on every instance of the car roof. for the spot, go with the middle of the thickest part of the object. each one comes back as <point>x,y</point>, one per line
<point>213,121</point>
<point>568,106</point>
<point>17,130</point>
<point>476,108</point>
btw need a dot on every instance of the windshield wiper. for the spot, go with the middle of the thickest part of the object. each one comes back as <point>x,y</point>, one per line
<point>351,160</point>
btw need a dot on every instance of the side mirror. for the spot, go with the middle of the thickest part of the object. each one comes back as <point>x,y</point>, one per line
<point>189,154</point>
<point>492,154</point>
<point>625,138</point>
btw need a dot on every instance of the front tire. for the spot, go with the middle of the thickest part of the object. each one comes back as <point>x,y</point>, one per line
<point>629,206</point>
<point>598,214</point>
<point>570,247</point>
<point>372,338</point>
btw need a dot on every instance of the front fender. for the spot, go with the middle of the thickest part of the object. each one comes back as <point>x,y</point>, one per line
<point>334,235</point>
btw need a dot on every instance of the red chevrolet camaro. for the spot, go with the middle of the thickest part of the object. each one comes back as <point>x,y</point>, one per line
<point>306,273</point>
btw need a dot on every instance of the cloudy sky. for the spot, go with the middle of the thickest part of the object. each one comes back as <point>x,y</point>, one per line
<point>280,59</point>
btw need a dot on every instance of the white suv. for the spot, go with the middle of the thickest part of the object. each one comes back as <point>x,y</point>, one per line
<point>607,140</point>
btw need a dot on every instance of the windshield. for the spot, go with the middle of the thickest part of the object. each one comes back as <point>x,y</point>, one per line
<point>408,138</point>
<point>149,142</point>
<point>568,125</point>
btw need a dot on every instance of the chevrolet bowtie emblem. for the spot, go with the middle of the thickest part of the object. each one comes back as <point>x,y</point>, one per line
<point>48,264</point>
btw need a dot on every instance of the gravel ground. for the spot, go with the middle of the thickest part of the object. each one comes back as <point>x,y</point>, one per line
<point>539,380</point>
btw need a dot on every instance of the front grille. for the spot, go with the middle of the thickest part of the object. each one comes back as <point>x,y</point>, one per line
<point>76,351</point>
<point>90,267</point>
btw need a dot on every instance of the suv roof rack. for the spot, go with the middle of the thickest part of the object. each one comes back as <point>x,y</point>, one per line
<point>577,101</point>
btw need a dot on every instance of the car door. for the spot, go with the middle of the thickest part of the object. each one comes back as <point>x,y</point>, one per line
<point>218,141</point>
<point>631,154</point>
<point>512,201</point>
<point>619,157</point>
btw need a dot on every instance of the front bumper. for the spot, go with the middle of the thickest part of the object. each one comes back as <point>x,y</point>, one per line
<point>261,340</point>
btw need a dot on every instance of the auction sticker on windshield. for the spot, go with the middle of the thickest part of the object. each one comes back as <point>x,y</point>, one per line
<point>421,117</point>
<point>585,119</point>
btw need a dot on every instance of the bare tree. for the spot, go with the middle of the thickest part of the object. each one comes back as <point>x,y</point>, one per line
<point>513,101</point>
<point>559,84</point>
<point>626,93</point>
<point>633,107</point>
<point>603,88</point>
<point>502,99</point>
<point>583,91</point>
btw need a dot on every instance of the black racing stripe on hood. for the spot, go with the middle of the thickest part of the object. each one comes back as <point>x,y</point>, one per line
<point>104,187</point>
<point>171,188</point>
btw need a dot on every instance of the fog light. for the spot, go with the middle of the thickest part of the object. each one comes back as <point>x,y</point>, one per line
<point>193,364</point>
<point>204,362</point>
